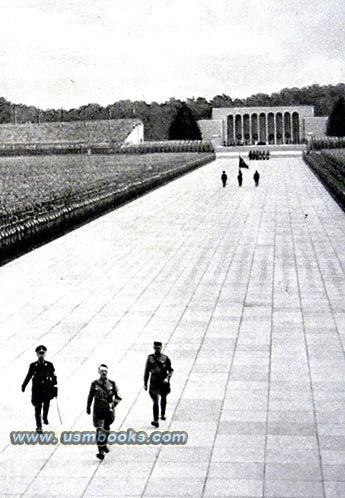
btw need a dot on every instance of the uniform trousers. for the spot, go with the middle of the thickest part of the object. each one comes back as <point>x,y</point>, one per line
<point>155,395</point>
<point>39,404</point>
<point>102,422</point>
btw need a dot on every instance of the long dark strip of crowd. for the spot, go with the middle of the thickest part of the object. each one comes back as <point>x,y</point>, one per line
<point>259,155</point>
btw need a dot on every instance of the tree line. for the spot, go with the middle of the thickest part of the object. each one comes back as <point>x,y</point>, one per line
<point>158,117</point>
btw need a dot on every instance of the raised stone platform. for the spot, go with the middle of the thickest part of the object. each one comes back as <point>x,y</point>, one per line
<point>275,150</point>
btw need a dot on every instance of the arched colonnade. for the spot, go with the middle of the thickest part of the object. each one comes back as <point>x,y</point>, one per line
<point>268,127</point>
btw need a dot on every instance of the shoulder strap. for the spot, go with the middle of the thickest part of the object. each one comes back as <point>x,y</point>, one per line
<point>159,365</point>
<point>105,390</point>
<point>102,387</point>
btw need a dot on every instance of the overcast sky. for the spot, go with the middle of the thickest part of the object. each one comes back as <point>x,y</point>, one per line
<point>66,53</point>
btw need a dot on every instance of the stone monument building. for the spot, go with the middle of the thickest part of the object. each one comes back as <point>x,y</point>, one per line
<point>261,125</point>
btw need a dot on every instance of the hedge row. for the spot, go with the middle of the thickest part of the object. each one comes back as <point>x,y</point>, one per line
<point>36,229</point>
<point>106,148</point>
<point>330,172</point>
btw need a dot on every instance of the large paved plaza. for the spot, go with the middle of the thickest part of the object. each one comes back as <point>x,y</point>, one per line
<point>244,286</point>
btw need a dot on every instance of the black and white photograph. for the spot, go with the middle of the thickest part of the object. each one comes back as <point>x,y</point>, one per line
<point>172,264</point>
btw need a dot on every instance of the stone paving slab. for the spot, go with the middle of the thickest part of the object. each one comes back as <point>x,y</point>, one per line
<point>245,287</point>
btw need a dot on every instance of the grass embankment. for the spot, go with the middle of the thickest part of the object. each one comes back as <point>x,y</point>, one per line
<point>329,166</point>
<point>43,197</point>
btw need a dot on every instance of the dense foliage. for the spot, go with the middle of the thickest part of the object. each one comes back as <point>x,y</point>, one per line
<point>157,118</point>
<point>184,125</point>
<point>336,120</point>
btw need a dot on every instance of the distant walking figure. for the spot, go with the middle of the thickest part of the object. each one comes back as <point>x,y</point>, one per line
<point>224,178</point>
<point>256,177</point>
<point>239,178</point>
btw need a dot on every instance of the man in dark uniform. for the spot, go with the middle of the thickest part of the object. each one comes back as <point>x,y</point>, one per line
<point>106,396</point>
<point>224,178</point>
<point>256,178</point>
<point>44,386</point>
<point>158,368</point>
<point>239,178</point>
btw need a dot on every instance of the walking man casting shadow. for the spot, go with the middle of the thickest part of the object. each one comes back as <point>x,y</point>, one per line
<point>159,370</point>
<point>239,178</point>
<point>224,178</point>
<point>105,395</point>
<point>256,178</point>
<point>44,386</point>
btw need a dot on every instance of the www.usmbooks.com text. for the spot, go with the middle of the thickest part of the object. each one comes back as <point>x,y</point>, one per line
<point>128,437</point>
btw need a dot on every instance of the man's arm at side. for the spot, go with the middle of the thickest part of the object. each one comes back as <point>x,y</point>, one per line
<point>170,369</point>
<point>53,375</point>
<point>147,372</point>
<point>28,377</point>
<point>90,398</point>
<point>117,397</point>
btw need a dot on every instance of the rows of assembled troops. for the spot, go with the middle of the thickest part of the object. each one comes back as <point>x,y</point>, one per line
<point>104,393</point>
<point>259,155</point>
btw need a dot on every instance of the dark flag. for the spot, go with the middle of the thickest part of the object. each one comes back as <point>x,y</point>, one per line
<point>243,164</point>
